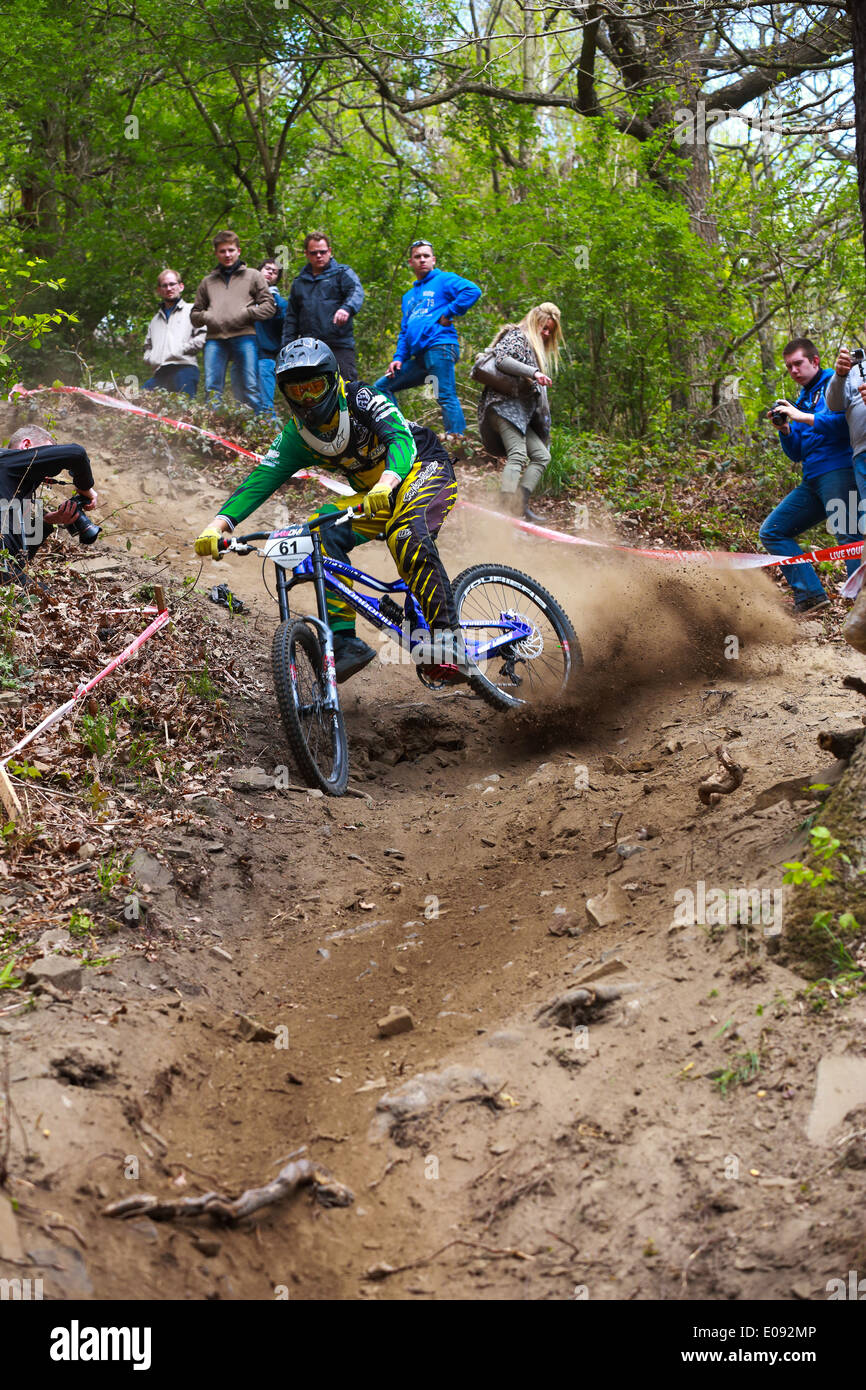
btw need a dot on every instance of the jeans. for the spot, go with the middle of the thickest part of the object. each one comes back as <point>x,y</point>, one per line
<point>832,496</point>
<point>860,479</point>
<point>527,456</point>
<point>174,377</point>
<point>267,384</point>
<point>244,357</point>
<point>435,367</point>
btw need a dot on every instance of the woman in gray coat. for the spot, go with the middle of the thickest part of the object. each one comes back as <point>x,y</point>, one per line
<point>518,425</point>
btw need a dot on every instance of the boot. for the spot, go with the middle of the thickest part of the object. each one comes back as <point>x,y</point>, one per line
<point>528,513</point>
<point>351,655</point>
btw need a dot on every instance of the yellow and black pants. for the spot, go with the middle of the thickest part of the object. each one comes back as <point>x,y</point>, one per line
<point>420,505</point>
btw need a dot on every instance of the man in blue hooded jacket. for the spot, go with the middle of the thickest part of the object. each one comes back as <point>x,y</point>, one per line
<point>818,440</point>
<point>428,348</point>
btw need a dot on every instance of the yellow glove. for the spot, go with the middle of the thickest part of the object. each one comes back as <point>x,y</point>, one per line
<point>378,499</point>
<point>207,543</point>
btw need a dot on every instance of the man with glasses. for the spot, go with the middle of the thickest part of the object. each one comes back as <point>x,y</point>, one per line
<point>428,348</point>
<point>323,301</point>
<point>172,343</point>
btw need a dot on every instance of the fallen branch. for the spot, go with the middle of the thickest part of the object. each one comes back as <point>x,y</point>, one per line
<point>577,1005</point>
<point>603,849</point>
<point>724,782</point>
<point>384,1271</point>
<point>297,1174</point>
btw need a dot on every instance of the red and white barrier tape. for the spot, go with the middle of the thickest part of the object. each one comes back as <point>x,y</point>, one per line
<point>724,558</point>
<point>159,621</point>
<point>721,558</point>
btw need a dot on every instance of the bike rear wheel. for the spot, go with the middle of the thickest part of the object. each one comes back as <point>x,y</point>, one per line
<point>533,671</point>
<point>317,736</point>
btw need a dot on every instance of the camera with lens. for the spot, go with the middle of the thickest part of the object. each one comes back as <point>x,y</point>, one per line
<point>86,530</point>
<point>778,417</point>
<point>857,355</point>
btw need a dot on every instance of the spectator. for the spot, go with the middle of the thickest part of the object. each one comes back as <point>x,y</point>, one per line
<point>428,346</point>
<point>518,423</point>
<point>31,458</point>
<point>229,303</point>
<point>323,301</point>
<point>172,344</point>
<point>846,390</point>
<point>813,437</point>
<point>269,333</point>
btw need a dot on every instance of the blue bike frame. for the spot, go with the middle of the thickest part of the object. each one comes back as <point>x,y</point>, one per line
<point>512,629</point>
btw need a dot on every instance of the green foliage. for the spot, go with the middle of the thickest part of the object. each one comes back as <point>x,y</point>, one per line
<point>744,1068</point>
<point>23,320</point>
<point>81,924</point>
<point>112,871</point>
<point>99,731</point>
<point>8,978</point>
<point>132,132</point>
<point>202,686</point>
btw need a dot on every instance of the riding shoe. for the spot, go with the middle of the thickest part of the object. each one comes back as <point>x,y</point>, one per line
<point>351,655</point>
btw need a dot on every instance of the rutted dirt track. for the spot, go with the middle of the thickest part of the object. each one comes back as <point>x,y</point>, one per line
<point>541,1161</point>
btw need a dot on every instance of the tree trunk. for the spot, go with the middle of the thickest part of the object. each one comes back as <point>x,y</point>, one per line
<point>720,411</point>
<point>857,14</point>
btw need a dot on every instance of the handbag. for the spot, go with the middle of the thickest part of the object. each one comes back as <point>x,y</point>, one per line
<point>485,371</point>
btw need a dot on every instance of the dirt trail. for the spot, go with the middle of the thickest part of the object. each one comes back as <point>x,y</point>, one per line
<point>593,1160</point>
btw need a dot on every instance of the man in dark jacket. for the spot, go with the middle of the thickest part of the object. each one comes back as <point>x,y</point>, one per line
<point>31,458</point>
<point>818,440</point>
<point>323,301</point>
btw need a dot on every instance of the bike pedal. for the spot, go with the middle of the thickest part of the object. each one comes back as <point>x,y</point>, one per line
<point>444,674</point>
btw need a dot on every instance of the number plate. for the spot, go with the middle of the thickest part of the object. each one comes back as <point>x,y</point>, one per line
<point>289,547</point>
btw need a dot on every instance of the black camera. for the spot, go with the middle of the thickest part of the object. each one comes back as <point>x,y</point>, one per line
<point>82,527</point>
<point>778,417</point>
<point>857,355</point>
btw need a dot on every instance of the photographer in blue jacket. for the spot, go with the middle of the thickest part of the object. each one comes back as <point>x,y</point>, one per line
<point>814,437</point>
<point>428,346</point>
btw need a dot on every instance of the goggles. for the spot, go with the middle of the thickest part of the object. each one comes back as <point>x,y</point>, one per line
<point>307,392</point>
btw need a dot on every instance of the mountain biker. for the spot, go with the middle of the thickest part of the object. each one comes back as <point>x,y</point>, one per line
<point>405,489</point>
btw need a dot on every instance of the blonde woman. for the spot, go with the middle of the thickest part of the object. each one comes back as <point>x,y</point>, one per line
<point>517,422</point>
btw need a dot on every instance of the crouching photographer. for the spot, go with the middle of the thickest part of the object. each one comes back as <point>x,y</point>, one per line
<point>816,438</point>
<point>33,457</point>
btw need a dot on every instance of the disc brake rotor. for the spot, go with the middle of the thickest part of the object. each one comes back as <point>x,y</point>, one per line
<point>528,648</point>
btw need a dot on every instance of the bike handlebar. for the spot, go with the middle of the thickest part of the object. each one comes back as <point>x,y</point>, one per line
<point>232,542</point>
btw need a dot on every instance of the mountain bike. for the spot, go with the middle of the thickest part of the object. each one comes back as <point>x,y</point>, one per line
<point>521,648</point>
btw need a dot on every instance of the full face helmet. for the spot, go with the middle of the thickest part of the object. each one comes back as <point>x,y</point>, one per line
<point>307,375</point>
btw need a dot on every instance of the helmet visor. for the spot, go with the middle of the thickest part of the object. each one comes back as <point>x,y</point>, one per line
<point>306,393</point>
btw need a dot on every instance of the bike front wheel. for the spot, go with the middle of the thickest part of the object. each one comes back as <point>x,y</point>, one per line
<point>317,735</point>
<point>537,668</point>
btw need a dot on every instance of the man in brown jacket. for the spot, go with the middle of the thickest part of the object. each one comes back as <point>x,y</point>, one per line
<point>228,304</point>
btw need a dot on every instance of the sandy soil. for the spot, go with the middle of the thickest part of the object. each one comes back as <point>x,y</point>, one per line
<point>533,1160</point>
